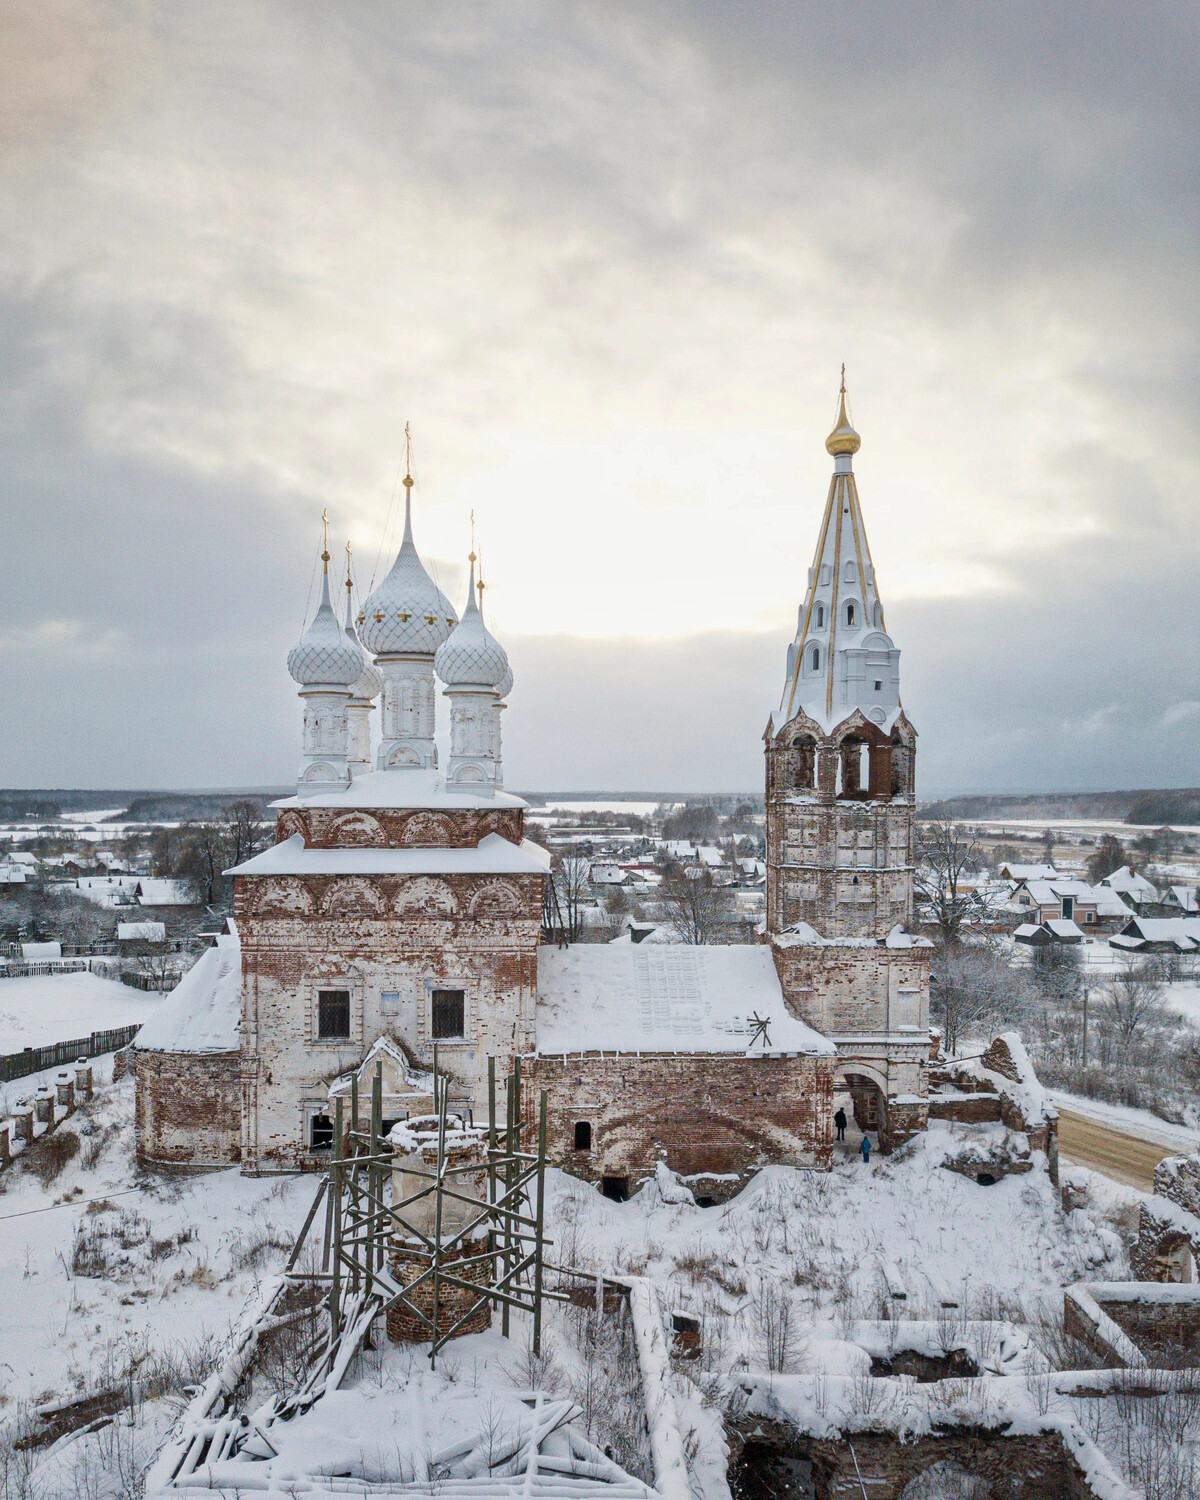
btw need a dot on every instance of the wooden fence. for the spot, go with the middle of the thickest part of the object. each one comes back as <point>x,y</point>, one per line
<point>35,1059</point>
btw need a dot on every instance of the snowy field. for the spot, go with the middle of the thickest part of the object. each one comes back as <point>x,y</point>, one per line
<point>47,1008</point>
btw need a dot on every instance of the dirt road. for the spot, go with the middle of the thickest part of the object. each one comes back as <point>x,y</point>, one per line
<point>1124,1158</point>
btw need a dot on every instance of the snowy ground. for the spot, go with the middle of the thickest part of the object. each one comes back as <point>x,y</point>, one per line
<point>47,1008</point>
<point>103,1269</point>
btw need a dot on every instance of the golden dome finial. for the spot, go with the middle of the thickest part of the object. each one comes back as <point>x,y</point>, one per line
<point>843,438</point>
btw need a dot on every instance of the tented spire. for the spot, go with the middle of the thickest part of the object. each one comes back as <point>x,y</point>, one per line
<point>841,658</point>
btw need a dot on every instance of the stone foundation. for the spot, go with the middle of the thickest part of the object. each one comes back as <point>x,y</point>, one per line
<point>774,1460</point>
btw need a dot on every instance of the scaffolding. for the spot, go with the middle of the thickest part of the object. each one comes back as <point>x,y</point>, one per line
<point>454,1280</point>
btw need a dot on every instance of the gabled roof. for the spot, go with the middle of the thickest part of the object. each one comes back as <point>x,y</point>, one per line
<point>1131,883</point>
<point>1028,872</point>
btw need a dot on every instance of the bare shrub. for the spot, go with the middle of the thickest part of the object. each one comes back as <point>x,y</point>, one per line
<point>779,1344</point>
<point>50,1155</point>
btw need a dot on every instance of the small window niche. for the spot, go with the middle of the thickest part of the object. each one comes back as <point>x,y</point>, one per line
<point>851,613</point>
<point>333,1015</point>
<point>815,658</point>
<point>583,1135</point>
<point>448,1018</point>
<point>820,617</point>
<point>389,1002</point>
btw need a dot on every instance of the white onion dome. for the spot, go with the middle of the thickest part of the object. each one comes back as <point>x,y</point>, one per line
<point>407,613</point>
<point>323,655</point>
<point>472,656</point>
<point>370,683</point>
<point>505,685</point>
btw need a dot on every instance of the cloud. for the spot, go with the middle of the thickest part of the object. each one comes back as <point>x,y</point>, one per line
<point>1181,713</point>
<point>609,265</point>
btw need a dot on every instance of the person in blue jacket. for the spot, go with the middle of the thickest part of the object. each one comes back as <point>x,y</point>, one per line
<point>865,1148</point>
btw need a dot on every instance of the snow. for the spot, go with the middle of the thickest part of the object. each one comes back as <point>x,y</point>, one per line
<point>145,932</point>
<point>494,855</point>
<point>203,1013</point>
<point>36,953</point>
<point>174,1258</point>
<point>401,789</point>
<point>672,998</point>
<point>46,1008</point>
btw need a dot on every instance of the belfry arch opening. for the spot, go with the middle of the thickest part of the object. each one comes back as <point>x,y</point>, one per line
<point>804,760</point>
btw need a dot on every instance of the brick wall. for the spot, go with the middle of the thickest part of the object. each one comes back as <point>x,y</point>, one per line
<point>722,1115</point>
<point>1177,1178</point>
<point>390,828</point>
<point>383,935</point>
<point>188,1108</point>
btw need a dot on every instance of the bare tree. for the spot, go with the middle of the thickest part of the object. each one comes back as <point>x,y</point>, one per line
<point>1132,1000</point>
<point>245,831</point>
<point>974,991</point>
<point>1109,856</point>
<point>946,856</point>
<point>697,909</point>
<point>572,876</point>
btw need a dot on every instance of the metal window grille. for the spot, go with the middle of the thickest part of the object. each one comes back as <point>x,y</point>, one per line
<point>333,1014</point>
<point>448,1014</point>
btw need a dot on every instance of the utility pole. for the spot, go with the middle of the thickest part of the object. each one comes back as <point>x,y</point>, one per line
<point>1086,993</point>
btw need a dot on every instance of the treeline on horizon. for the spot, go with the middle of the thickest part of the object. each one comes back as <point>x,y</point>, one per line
<point>1149,807</point>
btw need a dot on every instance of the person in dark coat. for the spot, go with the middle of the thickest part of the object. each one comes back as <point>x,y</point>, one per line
<point>840,1121</point>
<point>865,1148</point>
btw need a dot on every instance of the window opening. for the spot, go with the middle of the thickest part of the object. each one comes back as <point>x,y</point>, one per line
<point>583,1135</point>
<point>816,658</point>
<point>333,1014</point>
<point>448,1014</point>
<point>878,685</point>
<point>1068,908</point>
<point>850,614</point>
<point>616,1188</point>
<point>320,1133</point>
<point>820,616</point>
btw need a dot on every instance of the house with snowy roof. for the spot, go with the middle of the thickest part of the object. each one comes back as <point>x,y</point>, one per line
<point>1135,888</point>
<point>402,906</point>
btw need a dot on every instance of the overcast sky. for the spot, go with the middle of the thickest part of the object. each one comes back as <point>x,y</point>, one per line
<point>607,259</point>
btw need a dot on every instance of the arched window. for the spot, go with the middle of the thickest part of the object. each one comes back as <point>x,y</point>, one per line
<point>851,573</point>
<point>803,762</point>
<point>816,658</point>
<point>876,615</point>
<point>850,613</point>
<point>820,616</point>
<point>583,1135</point>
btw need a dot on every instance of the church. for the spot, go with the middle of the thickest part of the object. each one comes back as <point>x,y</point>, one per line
<point>398,918</point>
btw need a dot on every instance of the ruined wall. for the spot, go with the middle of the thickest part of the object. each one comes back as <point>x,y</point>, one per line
<point>712,1116</point>
<point>398,935</point>
<point>1034,1466</point>
<point>188,1108</point>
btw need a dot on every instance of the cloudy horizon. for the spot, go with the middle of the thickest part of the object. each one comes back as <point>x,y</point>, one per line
<point>608,263</point>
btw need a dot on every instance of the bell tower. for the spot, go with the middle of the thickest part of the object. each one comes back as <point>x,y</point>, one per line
<point>840,762</point>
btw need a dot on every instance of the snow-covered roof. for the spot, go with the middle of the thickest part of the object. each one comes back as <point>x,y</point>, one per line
<point>408,787</point>
<point>1109,903</point>
<point>494,855</point>
<point>679,998</point>
<point>144,932</point>
<point>1064,931</point>
<point>1183,932</point>
<point>203,1013</point>
<point>1028,872</point>
<point>39,952</point>
<point>155,890</point>
<point>1184,896</point>
<point>1131,882</point>
<point>803,934</point>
